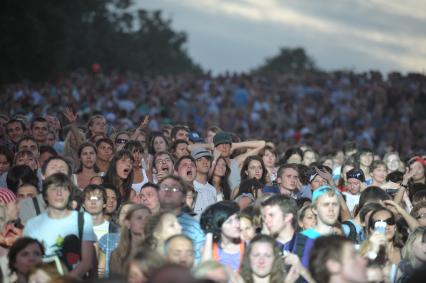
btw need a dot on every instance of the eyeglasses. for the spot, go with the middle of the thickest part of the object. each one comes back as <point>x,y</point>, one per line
<point>163,161</point>
<point>93,198</point>
<point>173,189</point>
<point>389,221</point>
<point>120,141</point>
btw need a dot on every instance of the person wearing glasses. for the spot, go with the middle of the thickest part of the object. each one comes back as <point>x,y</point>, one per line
<point>162,165</point>
<point>121,138</point>
<point>172,196</point>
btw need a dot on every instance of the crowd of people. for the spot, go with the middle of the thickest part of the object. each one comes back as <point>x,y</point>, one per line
<point>280,178</point>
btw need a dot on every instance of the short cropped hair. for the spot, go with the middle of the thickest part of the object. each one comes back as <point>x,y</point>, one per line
<point>286,204</point>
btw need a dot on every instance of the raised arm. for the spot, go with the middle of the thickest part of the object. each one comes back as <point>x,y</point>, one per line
<point>253,148</point>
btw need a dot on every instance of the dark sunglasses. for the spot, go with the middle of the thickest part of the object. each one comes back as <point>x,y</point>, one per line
<point>119,141</point>
<point>389,221</point>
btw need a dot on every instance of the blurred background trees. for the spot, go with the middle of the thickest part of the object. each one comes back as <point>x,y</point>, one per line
<point>44,39</point>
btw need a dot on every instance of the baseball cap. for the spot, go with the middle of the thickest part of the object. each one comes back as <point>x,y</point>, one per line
<point>222,138</point>
<point>200,152</point>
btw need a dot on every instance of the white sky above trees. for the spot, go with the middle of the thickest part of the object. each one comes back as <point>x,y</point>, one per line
<point>237,35</point>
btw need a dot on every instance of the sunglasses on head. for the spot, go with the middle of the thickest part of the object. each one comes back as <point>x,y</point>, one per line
<point>389,221</point>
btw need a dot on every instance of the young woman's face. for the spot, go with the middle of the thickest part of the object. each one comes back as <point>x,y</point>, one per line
<point>247,229</point>
<point>159,144</point>
<point>111,204</point>
<point>294,158</point>
<point>309,220</point>
<point>28,258</point>
<point>382,216</point>
<point>137,221</point>
<point>419,171</point>
<point>137,156</point>
<point>419,249</point>
<point>366,159</point>
<point>269,159</point>
<point>379,174</point>
<point>261,259</point>
<point>308,158</point>
<point>220,169</point>
<point>393,162</point>
<point>254,170</point>
<point>231,227</point>
<point>124,167</point>
<point>169,226</point>
<point>4,164</point>
<point>88,157</point>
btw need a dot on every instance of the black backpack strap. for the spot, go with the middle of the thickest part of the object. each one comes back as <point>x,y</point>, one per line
<point>352,231</point>
<point>300,245</point>
<point>36,205</point>
<point>80,225</point>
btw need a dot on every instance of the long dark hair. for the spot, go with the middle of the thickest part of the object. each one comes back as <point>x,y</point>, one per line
<point>224,183</point>
<point>125,186</point>
<point>80,150</point>
<point>244,168</point>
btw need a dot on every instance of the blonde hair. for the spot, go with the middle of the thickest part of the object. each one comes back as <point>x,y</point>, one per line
<point>408,249</point>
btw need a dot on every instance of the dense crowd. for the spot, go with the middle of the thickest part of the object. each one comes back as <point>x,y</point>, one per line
<point>318,177</point>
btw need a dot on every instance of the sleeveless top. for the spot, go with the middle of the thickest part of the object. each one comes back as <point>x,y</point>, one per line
<point>137,186</point>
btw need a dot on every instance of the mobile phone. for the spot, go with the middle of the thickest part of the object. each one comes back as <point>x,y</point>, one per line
<point>380,227</point>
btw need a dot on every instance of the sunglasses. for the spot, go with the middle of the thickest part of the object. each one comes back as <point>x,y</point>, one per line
<point>120,141</point>
<point>389,221</point>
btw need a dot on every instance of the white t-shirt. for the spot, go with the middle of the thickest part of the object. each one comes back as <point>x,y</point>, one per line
<point>51,232</point>
<point>351,200</point>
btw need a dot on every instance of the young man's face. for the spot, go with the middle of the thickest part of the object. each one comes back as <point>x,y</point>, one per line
<point>354,186</point>
<point>31,146</point>
<point>26,191</point>
<point>15,131</point>
<point>224,149</point>
<point>58,196</point>
<point>288,179</point>
<point>168,196</point>
<point>274,219</point>
<point>187,170</point>
<point>164,163</point>
<point>327,209</point>
<point>181,150</point>
<point>181,251</point>
<point>149,198</point>
<point>203,165</point>
<point>40,131</point>
<point>94,203</point>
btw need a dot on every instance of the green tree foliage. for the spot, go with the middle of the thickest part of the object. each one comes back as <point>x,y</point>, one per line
<point>43,39</point>
<point>289,60</point>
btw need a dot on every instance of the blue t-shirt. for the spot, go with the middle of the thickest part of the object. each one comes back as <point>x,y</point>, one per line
<point>192,229</point>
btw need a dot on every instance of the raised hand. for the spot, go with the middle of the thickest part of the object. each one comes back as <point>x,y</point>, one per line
<point>70,115</point>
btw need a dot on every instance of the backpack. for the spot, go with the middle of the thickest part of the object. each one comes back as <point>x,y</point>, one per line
<point>71,248</point>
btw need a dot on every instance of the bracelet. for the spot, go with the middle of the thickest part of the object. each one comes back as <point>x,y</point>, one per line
<point>402,185</point>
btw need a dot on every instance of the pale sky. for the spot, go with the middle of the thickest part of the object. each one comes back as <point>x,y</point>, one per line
<point>237,35</point>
